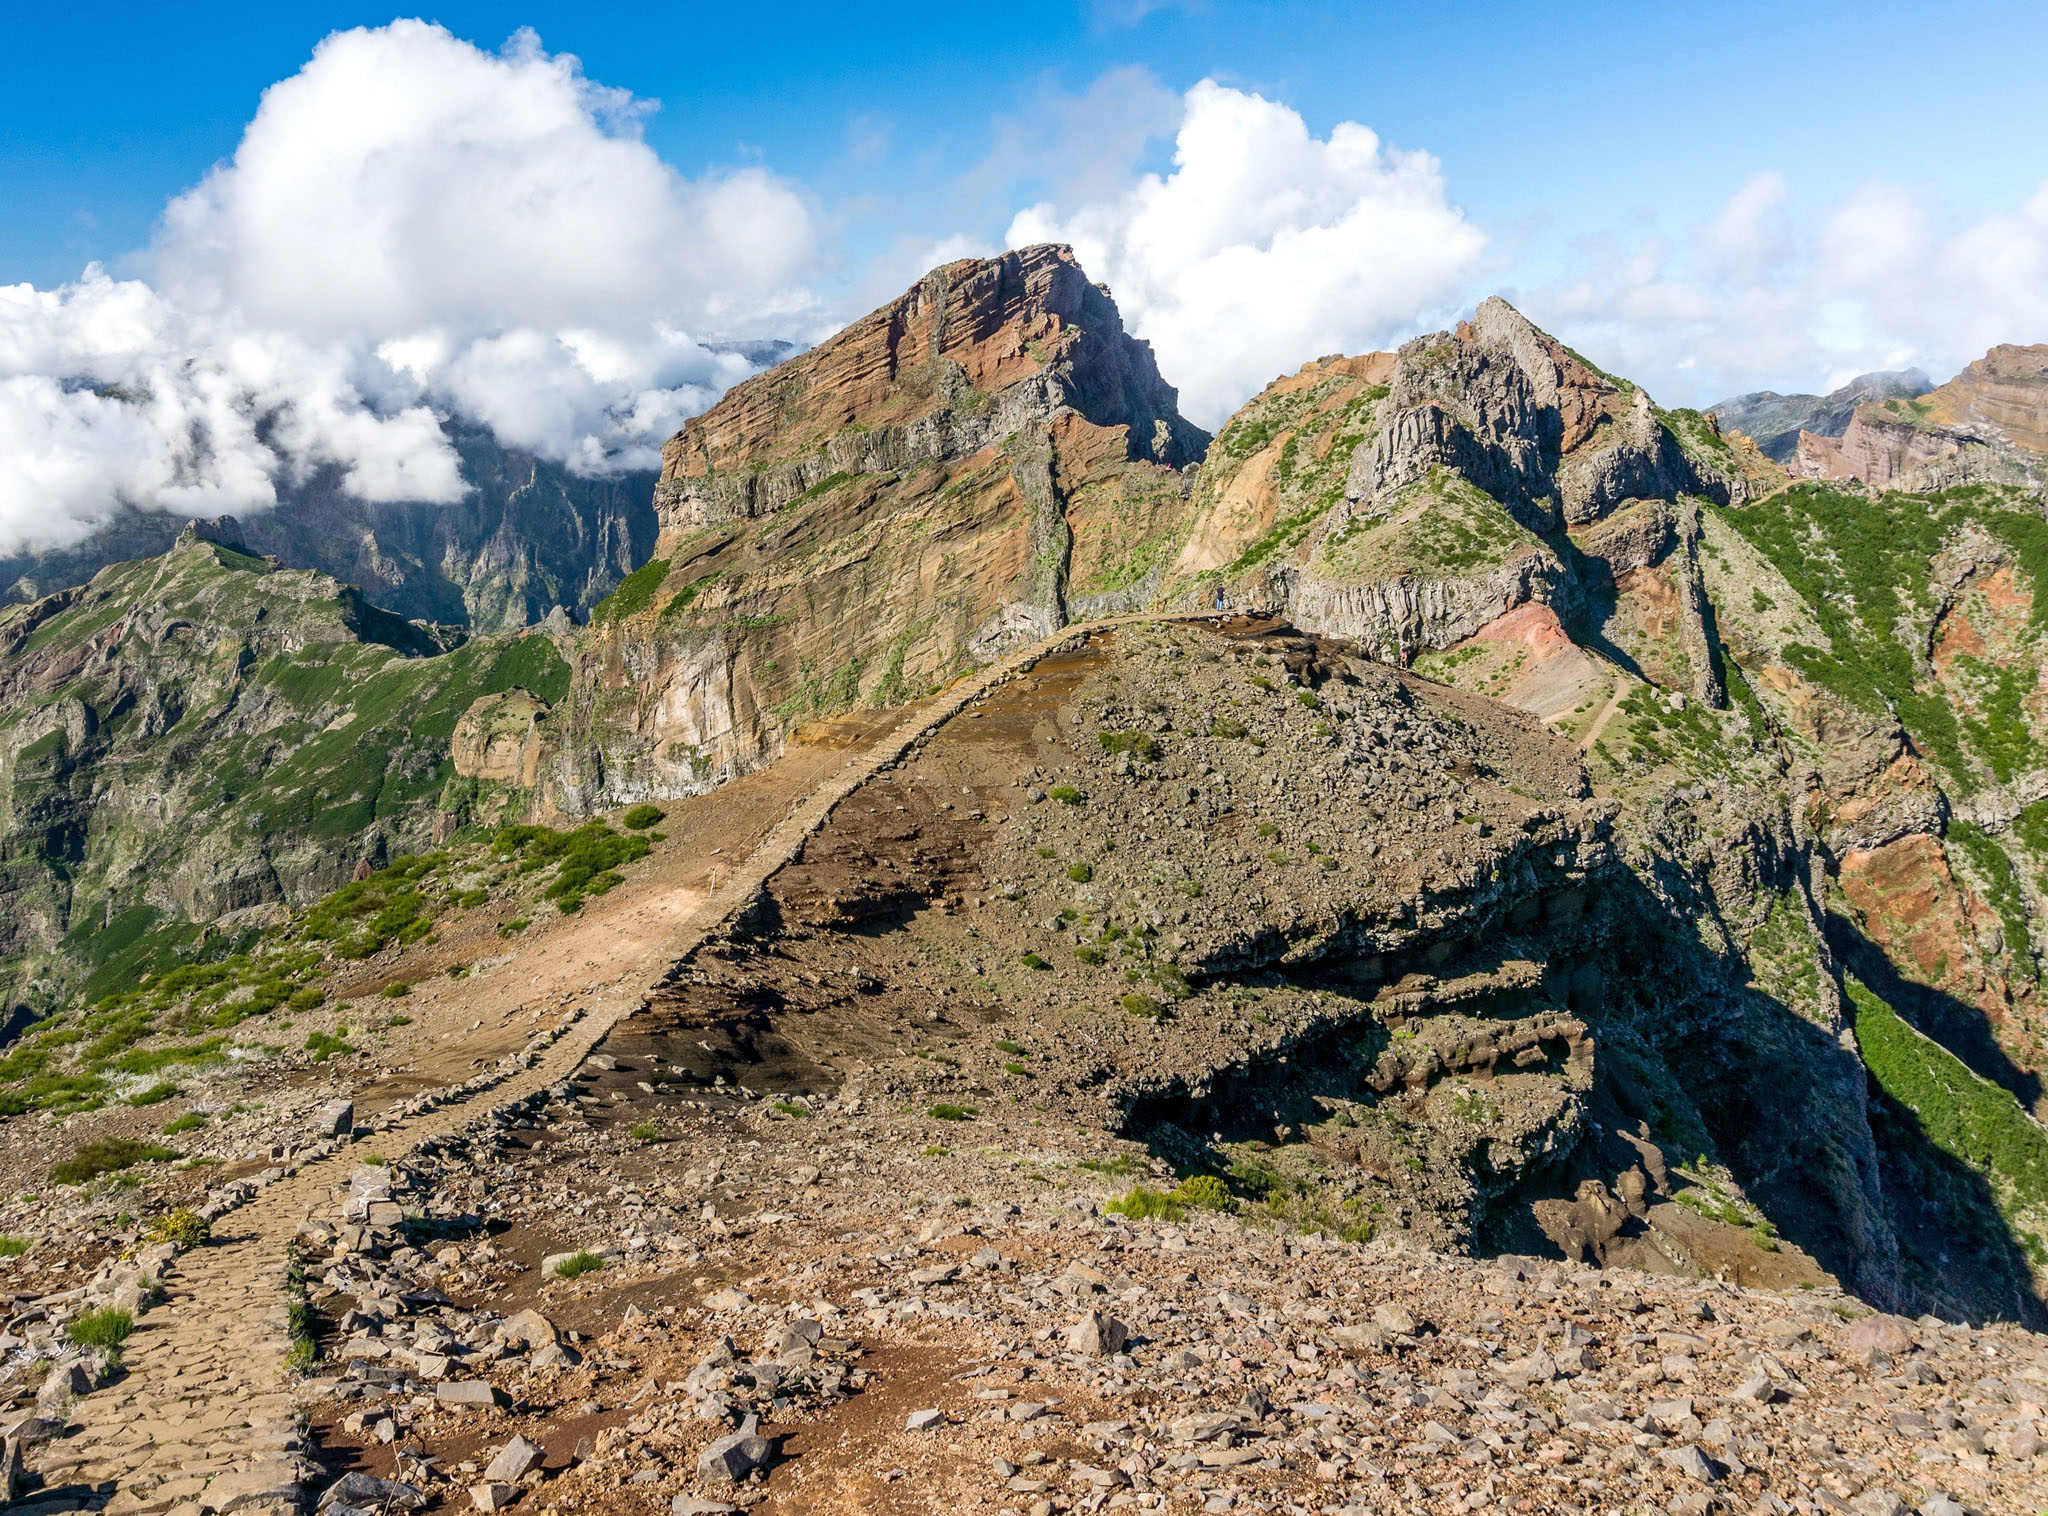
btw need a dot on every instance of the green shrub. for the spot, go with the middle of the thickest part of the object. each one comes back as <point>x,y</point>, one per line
<point>1013,1068</point>
<point>154,1095</point>
<point>789,1108</point>
<point>1065,794</point>
<point>307,999</point>
<point>577,1264</point>
<point>1268,829</point>
<point>1204,1191</point>
<point>1081,873</point>
<point>1309,698</point>
<point>1033,961</point>
<point>184,1226</point>
<point>1143,1005</point>
<point>1140,745</point>
<point>104,1328</point>
<point>641,817</point>
<point>1122,1166</point>
<point>945,1112</point>
<point>644,1131</point>
<point>12,1247</point>
<point>586,861</point>
<point>1145,1204</point>
<point>1226,728</point>
<point>397,991</point>
<point>1005,1045</point>
<point>323,1046</point>
<point>108,1155</point>
<point>191,1121</point>
<point>1086,954</point>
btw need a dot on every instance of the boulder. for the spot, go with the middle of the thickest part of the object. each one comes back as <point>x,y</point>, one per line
<point>1097,1335</point>
<point>512,1461</point>
<point>732,1458</point>
<point>466,1392</point>
<point>1880,1333</point>
<point>63,1384</point>
<point>492,1495</point>
<point>1394,1319</point>
<point>528,1329</point>
<point>337,1118</point>
<point>368,1492</point>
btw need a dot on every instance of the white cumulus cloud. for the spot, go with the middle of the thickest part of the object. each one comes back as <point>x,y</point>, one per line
<point>1266,246</point>
<point>1772,292</point>
<point>411,226</point>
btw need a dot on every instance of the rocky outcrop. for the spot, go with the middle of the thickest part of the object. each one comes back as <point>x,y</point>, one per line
<point>1394,619</point>
<point>1408,499</point>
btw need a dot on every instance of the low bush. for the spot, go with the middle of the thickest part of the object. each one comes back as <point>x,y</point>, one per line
<point>105,1328</point>
<point>1081,873</point>
<point>154,1095</point>
<point>324,1045</point>
<point>191,1121</point>
<point>1140,745</point>
<point>945,1112</point>
<point>1204,1191</point>
<point>108,1155</point>
<point>1065,794</point>
<point>184,1226</point>
<point>1146,1204</point>
<point>577,1264</point>
<point>641,817</point>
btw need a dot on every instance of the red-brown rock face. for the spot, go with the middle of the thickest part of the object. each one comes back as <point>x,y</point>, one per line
<point>971,354</point>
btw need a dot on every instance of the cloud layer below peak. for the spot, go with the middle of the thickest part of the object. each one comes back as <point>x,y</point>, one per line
<point>410,226</point>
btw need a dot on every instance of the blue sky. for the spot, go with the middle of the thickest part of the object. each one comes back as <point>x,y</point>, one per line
<point>1583,117</point>
<point>1707,198</point>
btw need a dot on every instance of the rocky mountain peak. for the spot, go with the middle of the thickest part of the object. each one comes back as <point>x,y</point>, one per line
<point>975,351</point>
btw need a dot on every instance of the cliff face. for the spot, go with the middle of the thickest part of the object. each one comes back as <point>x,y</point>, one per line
<point>960,470</point>
<point>1989,424</point>
<point>529,536</point>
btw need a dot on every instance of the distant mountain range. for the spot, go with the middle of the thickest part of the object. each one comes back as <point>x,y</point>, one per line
<point>1774,421</point>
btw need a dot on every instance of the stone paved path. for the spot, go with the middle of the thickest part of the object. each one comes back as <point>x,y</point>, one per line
<point>204,1418</point>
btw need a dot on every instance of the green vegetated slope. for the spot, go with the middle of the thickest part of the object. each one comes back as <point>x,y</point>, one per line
<point>1865,570</point>
<point>1971,1166</point>
<point>178,998</point>
<point>200,734</point>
